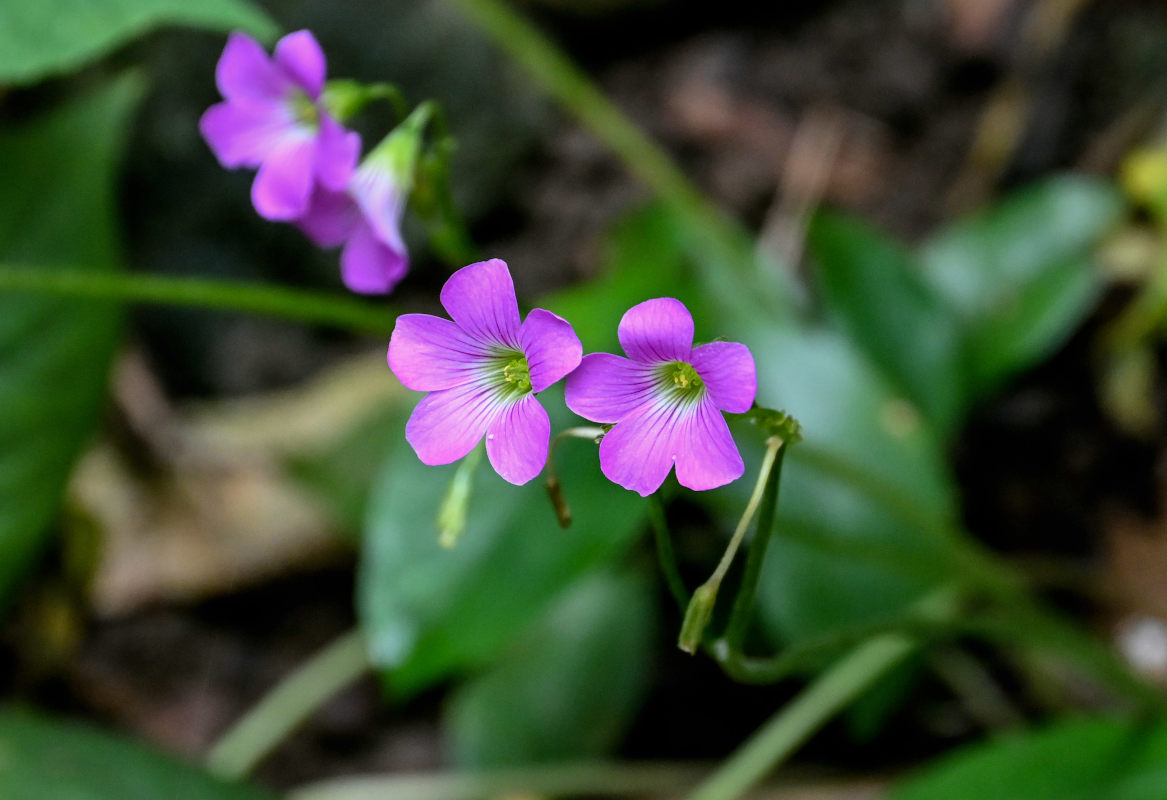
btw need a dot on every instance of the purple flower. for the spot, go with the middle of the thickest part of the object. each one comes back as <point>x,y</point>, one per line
<point>482,371</point>
<point>273,119</point>
<point>666,400</point>
<point>366,216</point>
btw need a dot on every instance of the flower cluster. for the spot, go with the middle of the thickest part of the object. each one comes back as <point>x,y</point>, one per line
<point>275,118</point>
<point>483,368</point>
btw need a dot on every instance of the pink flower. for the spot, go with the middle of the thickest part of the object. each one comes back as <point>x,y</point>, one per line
<point>482,371</point>
<point>666,400</point>
<point>273,118</point>
<point>366,216</point>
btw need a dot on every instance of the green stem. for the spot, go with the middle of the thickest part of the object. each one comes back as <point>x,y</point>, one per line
<point>743,602</point>
<point>549,780</point>
<point>664,552</point>
<point>291,702</point>
<point>251,298</point>
<point>831,692</point>
<point>575,90</point>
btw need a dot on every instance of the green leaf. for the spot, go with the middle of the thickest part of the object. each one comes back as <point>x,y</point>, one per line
<point>874,290</point>
<point>46,759</point>
<point>1093,759</point>
<point>43,38</point>
<point>864,495</point>
<point>569,687</point>
<point>430,611</point>
<point>56,207</point>
<point>1018,275</point>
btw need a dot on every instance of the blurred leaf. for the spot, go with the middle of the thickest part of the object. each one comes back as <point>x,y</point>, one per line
<point>1078,760</point>
<point>1018,275</point>
<point>569,687</point>
<point>430,611</point>
<point>43,759</point>
<point>643,259</point>
<point>42,38</point>
<point>56,207</point>
<point>875,291</point>
<point>862,496</point>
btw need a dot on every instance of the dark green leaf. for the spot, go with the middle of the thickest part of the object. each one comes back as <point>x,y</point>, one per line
<point>1079,760</point>
<point>44,759</point>
<point>56,207</point>
<point>41,38</point>
<point>1018,274</point>
<point>874,290</point>
<point>430,611</point>
<point>569,687</point>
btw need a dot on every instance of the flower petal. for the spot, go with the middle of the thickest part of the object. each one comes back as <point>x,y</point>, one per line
<point>729,374</point>
<point>446,425</point>
<point>245,73</point>
<point>709,457</point>
<point>427,353</point>
<point>337,150</point>
<point>284,184</point>
<point>639,452</point>
<point>368,266</point>
<point>516,443</point>
<point>381,201</point>
<point>299,56</point>
<point>551,347</point>
<point>481,299</point>
<point>657,330</point>
<point>607,388</point>
<point>244,135</point>
<point>330,219</point>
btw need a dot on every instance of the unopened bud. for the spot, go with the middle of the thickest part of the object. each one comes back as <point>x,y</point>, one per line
<point>453,510</point>
<point>697,617</point>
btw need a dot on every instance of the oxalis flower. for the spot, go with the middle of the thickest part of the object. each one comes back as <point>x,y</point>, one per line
<point>366,216</point>
<point>273,118</point>
<point>666,401</point>
<point>482,371</point>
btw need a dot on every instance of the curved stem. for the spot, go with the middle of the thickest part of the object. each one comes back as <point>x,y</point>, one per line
<point>832,691</point>
<point>743,602</point>
<point>252,298</point>
<point>537,780</point>
<point>290,703</point>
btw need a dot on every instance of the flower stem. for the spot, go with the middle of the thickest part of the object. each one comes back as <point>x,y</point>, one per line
<point>552,484</point>
<point>743,602</point>
<point>290,703</point>
<point>252,298</point>
<point>534,780</point>
<point>700,607</point>
<point>831,692</point>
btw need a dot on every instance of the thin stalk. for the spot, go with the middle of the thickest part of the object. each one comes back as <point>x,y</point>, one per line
<point>252,298</point>
<point>664,552</point>
<point>743,602</point>
<point>700,607</point>
<point>547,780</point>
<point>831,692</point>
<point>289,704</point>
<point>773,447</point>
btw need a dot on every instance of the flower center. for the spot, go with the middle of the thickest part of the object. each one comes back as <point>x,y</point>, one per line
<point>511,374</point>
<point>680,379</point>
<point>304,109</point>
<point>517,372</point>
